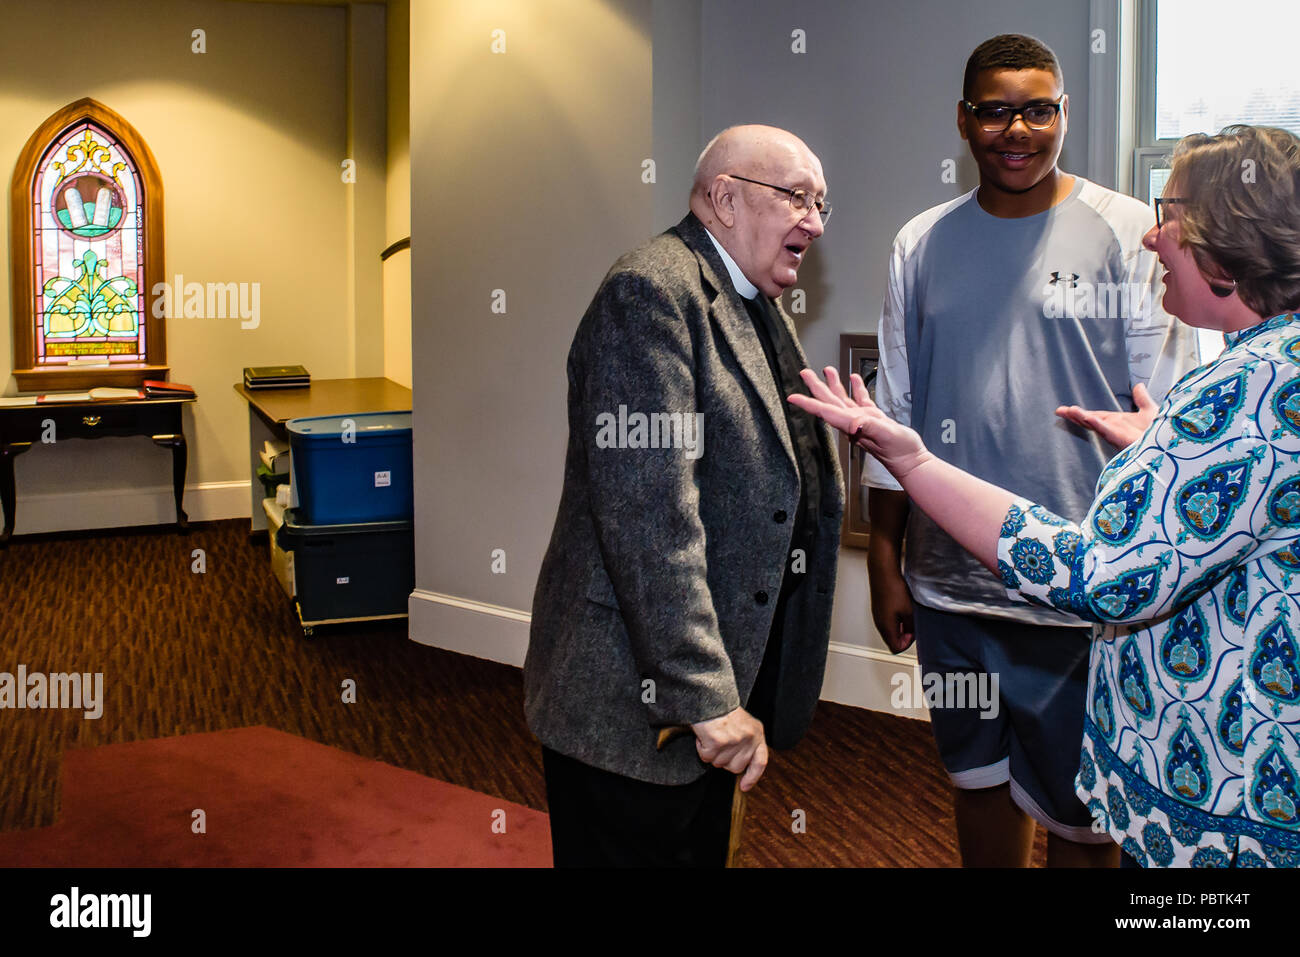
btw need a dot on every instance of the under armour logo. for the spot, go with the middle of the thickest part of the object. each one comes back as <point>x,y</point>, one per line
<point>1069,279</point>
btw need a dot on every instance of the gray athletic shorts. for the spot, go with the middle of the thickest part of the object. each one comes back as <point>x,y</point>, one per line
<point>1012,710</point>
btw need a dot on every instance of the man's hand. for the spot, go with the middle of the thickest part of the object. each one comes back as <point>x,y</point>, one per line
<point>891,604</point>
<point>891,600</point>
<point>1120,429</point>
<point>734,741</point>
<point>898,448</point>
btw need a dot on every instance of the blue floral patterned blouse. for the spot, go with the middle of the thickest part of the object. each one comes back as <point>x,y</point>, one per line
<point>1189,563</point>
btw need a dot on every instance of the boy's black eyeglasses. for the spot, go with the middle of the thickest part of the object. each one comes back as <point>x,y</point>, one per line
<point>800,199</point>
<point>997,119</point>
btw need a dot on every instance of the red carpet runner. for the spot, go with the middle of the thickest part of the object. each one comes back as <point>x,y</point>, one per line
<point>270,799</point>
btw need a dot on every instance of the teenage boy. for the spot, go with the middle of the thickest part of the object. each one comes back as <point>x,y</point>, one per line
<point>1030,292</point>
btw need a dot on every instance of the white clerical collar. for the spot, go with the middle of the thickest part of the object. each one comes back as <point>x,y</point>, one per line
<point>743,286</point>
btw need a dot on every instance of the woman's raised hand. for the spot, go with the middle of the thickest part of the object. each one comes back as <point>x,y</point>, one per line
<point>1120,429</point>
<point>898,448</point>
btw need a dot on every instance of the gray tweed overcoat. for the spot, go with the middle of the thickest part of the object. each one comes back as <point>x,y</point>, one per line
<point>656,594</point>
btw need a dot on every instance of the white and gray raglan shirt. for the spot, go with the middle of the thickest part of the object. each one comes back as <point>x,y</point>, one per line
<point>988,325</point>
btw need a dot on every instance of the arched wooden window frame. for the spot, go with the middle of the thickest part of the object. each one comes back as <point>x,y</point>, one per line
<point>22,253</point>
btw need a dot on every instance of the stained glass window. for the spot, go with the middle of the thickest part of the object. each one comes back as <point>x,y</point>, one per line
<point>88,242</point>
<point>86,254</point>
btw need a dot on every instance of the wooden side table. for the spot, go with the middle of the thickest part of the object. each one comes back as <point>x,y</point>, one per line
<point>21,426</point>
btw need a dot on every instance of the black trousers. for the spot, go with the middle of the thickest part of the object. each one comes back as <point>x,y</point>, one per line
<point>603,819</point>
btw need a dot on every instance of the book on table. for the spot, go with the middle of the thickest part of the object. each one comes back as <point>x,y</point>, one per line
<point>276,377</point>
<point>157,389</point>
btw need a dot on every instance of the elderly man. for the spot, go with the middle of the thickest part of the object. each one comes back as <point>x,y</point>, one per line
<point>689,578</point>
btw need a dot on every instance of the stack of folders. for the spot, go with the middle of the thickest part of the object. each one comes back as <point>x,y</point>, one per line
<point>276,377</point>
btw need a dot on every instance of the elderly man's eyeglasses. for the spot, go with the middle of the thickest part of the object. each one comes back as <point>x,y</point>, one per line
<point>997,119</point>
<point>800,199</point>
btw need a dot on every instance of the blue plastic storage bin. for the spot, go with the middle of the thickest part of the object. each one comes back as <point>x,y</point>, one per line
<point>353,468</point>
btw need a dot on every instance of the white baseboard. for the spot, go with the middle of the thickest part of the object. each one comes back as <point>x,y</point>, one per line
<point>866,678</point>
<point>469,627</point>
<point>117,508</point>
<point>861,677</point>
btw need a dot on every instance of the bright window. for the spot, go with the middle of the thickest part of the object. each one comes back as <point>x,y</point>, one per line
<point>1221,63</point>
<point>1204,65</point>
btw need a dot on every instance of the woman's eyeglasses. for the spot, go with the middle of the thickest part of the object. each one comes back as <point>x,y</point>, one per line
<point>1221,287</point>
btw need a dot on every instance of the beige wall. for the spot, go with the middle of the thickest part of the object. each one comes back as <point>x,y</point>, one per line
<point>397,269</point>
<point>525,177</point>
<point>249,137</point>
<point>366,199</point>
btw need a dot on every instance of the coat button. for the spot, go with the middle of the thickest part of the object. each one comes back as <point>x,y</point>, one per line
<point>761,597</point>
<point>779,517</point>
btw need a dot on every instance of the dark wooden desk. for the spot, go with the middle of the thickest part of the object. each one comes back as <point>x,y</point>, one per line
<point>270,409</point>
<point>23,425</point>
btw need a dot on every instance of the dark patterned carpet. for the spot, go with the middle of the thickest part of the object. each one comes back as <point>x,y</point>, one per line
<point>185,652</point>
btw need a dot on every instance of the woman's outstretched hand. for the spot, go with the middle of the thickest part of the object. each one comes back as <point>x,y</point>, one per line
<point>1120,429</point>
<point>898,448</point>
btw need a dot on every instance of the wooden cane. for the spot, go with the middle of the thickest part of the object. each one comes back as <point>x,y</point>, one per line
<point>737,795</point>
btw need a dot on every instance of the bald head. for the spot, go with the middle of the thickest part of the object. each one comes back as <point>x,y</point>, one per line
<point>747,150</point>
<point>754,223</point>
